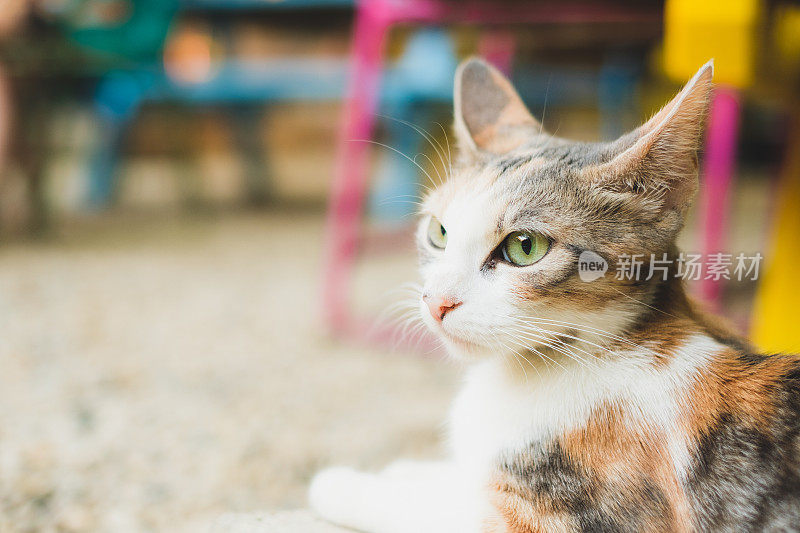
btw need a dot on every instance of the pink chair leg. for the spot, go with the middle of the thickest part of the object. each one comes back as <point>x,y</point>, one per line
<point>718,168</point>
<point>351,168</point>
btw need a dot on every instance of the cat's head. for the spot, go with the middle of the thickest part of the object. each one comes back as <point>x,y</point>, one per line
<point>500,239</point>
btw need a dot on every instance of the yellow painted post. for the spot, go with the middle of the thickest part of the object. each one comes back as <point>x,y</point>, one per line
<point>697,30</point>
<point>776,317</point>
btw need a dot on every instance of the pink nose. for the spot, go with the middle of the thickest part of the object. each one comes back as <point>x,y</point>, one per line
<point>439,305</point>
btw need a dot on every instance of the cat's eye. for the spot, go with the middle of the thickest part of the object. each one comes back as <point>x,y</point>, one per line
<point>522,248</point>
<point>437,235</point>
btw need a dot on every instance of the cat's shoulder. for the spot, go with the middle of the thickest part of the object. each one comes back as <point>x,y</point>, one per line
<point>756,392</point>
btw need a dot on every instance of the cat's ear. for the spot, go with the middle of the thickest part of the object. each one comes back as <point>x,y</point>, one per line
<point>658,162</point>
<point>489,114</point>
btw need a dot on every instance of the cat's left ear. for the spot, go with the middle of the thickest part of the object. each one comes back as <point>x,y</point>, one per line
<point>657,163</point>
<point>489,114</point>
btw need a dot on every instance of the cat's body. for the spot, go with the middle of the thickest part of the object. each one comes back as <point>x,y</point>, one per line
<point>606,406</point>
<point>704,436</point>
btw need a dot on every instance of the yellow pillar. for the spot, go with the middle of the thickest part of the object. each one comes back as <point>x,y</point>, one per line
<point>776,317</point>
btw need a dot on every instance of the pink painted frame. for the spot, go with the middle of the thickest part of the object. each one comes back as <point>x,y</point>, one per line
<point>717,174</point>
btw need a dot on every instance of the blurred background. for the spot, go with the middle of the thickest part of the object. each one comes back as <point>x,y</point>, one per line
<point>205,203</point>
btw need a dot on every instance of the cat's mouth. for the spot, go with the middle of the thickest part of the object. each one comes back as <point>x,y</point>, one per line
<point>458,341</point>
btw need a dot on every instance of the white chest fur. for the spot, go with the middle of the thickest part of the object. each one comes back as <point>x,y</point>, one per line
<point>499,411</point>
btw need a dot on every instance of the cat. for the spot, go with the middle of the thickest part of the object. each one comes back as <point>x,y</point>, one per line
<point>607,405</point>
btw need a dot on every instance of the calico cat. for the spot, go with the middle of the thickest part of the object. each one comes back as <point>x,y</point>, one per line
<point>610,405</point>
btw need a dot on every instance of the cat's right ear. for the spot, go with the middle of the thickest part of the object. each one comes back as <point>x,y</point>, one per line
<point>489,114</point>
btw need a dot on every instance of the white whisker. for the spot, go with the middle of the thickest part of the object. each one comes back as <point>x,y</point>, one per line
<point>395,150</point>
<point>429,138</point>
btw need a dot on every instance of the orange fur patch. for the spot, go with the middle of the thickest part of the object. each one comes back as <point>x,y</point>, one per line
<point>624,466</point>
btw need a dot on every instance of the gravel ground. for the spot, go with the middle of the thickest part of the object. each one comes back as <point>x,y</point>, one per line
<point>156,374</point>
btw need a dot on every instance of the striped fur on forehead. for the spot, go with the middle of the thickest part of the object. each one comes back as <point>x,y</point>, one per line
<point>541,188</point>
<point>625,196</point>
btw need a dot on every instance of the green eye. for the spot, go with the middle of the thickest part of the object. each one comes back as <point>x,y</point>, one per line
<point>525,249</point>
<point>437,235</point>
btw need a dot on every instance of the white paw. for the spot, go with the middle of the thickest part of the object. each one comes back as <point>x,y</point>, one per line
<point>337,494</point>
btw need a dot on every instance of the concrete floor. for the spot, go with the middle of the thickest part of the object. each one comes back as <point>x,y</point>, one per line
<point>157,373</point>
